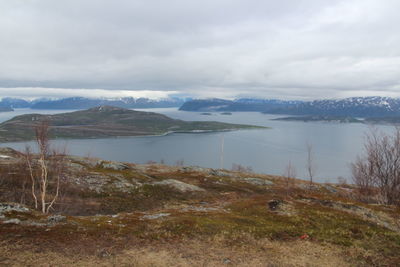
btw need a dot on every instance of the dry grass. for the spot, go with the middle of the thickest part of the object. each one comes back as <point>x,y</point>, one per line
<point>190,253</point>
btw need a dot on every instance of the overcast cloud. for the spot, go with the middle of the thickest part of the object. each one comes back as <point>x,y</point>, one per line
<point>301,49</point>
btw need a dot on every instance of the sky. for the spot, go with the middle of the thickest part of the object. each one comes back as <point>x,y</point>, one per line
<point>287,49</point>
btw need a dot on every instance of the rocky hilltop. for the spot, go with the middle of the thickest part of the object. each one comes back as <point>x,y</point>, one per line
<point>114,213</point>
<point>106,121</point>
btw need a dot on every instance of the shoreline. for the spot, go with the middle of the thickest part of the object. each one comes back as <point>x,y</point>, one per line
<point>140,136</point>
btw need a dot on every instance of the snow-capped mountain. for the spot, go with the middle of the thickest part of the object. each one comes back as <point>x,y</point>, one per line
<point>355,106</point>
<point>126,102</point>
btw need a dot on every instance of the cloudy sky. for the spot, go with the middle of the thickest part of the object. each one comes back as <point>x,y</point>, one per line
<point>288,49</point>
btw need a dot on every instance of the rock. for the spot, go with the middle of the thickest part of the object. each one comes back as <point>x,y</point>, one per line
<point>201,209</point>
<point>56,218</point>
<point>86,161</point>
<point>7,152</point>
<point>193,169</point>
<point>282,207</point>
<point>123,185</point>
<point>180,186</point>
<point>308,186</point>
<point>330,188</point>
<point>155,216</point>
<point>12,221</point>
<point>274,204</point>
<point>75,166</point>
<point>93,181</point>
<point>6,207</point>
<point>226,261</point>
<point>257,181</point>
<point>221,173</point>
<point>118,166</point>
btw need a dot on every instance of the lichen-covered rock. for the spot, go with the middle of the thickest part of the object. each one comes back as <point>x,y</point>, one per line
<point>86,161</point>
<point>257,181</point>
<point>330,188</point>
<point>7,207</point>
<point>313,187</point>
<point>193,169</point>
<point>221,173</point>
<point>8,153</point>
<point>92,181</point>
<point>12,221</point>
<point>155,216</point>
<point>118,166</point>
<point>180,186</point>
<point>56,218</point>
<point>121,184</point>
<point>281,207</point>
<point>72,166</point>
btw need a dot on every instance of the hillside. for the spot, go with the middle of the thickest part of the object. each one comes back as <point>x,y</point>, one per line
<point>124,214</point>
<point>105,121</point>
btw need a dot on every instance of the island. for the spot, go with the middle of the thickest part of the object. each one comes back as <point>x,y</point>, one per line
<point>107,121</point>
<point>318,118</point>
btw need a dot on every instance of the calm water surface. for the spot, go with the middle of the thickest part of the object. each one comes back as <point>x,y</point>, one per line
<point>335,145</point>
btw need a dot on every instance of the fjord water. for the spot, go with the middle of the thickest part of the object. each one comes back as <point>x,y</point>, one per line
<point>335,145</point>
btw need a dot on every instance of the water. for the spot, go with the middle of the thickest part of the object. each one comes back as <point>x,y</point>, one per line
<point>335,145</point>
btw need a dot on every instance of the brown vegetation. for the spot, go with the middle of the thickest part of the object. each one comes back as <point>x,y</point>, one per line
<point>377,173</point>
<point>161,215</point>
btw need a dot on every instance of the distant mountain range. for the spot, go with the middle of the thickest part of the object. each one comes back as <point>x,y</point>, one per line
<point>85,103</point>
<point>365,107</point>
<point>353,107</point>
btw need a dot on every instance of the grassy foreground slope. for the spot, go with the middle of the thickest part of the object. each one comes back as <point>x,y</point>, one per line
<point>123,214</point>
<point>106,121</point>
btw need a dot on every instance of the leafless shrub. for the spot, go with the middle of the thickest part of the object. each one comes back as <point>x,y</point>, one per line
<point>241,168</point>
<point>379,168</point>
<point>150,162</point>
<point>342,181</point>
<point>179,163</point>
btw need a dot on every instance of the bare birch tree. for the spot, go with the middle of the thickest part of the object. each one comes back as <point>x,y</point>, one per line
<point>311,167</point>
<point>290,175</point>
<point>45,169</point>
